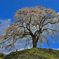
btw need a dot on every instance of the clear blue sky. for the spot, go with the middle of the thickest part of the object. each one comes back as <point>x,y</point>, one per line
<point>9,7</point>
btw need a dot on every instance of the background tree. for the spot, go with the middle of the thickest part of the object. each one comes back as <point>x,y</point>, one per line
<point>37,22</point>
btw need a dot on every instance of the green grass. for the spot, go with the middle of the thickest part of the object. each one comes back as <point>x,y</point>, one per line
<point>34,53</point>
<point>0,57</point>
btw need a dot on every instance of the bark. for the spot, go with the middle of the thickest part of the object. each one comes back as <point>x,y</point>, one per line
<point>34,42</point>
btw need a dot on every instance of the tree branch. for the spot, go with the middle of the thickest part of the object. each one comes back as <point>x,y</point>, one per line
<point>47,23</point>
<point>8,39</point>
<point>48,29</point>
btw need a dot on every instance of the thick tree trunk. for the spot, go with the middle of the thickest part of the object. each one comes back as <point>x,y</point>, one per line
<point>34,41</point>
<point>34,44</point>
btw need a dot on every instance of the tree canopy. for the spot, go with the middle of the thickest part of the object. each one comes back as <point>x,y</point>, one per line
<point>38,22</point>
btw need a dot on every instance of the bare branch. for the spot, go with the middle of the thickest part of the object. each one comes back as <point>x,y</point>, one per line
<point>48,29</point>
<point>48,22</point>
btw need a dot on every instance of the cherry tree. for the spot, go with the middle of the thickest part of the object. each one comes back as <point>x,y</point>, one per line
<point>38,22</point>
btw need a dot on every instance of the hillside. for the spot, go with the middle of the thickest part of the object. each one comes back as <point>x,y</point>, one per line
<point>34,53</point>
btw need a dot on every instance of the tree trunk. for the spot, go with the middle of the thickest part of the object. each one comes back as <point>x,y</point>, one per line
<point>34,41</point>
<point>34,44</point>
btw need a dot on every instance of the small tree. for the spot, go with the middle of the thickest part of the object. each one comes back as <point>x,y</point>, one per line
<point>28,18</point>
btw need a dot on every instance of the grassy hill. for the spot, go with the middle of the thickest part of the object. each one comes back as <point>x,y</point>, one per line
<point>33,53</point>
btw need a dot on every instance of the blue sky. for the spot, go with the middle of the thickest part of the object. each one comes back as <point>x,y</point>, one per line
<point>9,7</point>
